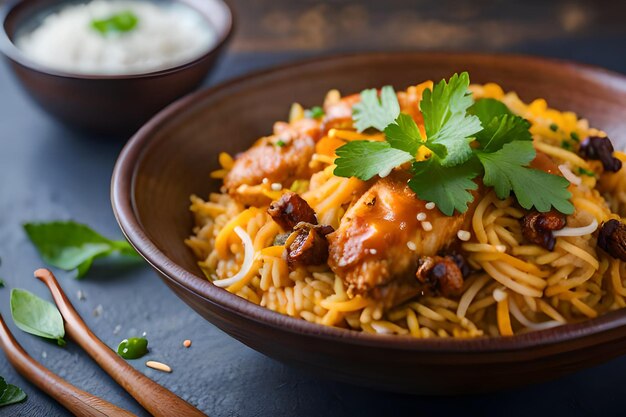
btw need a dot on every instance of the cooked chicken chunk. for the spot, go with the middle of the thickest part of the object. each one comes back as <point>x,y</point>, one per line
<point>281,158</point>
<point>290,210</point>
<point>381,237</point>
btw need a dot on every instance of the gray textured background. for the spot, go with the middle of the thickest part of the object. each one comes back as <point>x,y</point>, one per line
<point>48,172</point>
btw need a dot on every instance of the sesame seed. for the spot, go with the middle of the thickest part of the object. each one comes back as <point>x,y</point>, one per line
<point>430,206</point>
<point>421,216</point>
<point>187,343</point>
<point>158,366</point>
<point>265,180</point>
<point>411,245</point>
<point>464,235</point>
<point>427,226</point>
<point>276,186</point>
<point>499,295</point>
<point>373,251</point>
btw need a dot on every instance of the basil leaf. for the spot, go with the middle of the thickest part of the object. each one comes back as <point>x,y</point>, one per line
<point>36,316</point>
<point>70,245</point>
<point>10,394</point>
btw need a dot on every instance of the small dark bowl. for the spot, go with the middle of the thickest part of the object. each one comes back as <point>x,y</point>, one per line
<point>107,104</point>
<point>171,157</point>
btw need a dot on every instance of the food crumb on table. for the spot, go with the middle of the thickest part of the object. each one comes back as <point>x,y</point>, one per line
<point>158,366</point>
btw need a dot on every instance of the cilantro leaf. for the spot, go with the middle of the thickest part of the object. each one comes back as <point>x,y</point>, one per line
<point>448,187</point>
<point>501,130</point>
<point>505,171</point>
<point>364,159</point>
<point>404,134</point>
<point>446,122</point>
<point>70,245</point>
<point>374,112</point>
<point>486,109</point>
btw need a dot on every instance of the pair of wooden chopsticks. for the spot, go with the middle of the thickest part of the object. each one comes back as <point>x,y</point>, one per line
<point>157,400</point>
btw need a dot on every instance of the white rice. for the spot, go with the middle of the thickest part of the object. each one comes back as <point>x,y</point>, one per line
<point>165,36</point>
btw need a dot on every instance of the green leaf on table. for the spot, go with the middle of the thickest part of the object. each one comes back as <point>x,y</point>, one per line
<point>124,21</point>
<point>36,316</point>
<point>10,394</point>
<point>69,245</point>
<point>376,112</point>
<point>1,283</point>
<point>506,171</point>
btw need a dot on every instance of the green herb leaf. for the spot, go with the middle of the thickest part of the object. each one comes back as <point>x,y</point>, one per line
<point>448,187</point>
<point>133,348</point>
<point>404,134</point>
<point>574,137</point>
<point>316,112</point>
<point>364,159</point>
<point>506,171</point>
<point>374,112</point>
<point>70,245</point>
<point>280,143</point>
<point>486,109</point>
<point>554,127</point>
<point>121,22</point>
<point>10,394</point>
<point>36,316</point>
<point>446,121</point>
<point>501,130</point>
<point>566,145</point>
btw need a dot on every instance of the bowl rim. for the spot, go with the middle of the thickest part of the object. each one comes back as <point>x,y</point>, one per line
<point>122,200</point>
<point>11,51</point>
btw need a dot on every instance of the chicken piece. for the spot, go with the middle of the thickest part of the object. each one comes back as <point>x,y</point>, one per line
<point>281,158</point>
<point>380,237</point>
<point>290,210</point>
<point>338,115</point>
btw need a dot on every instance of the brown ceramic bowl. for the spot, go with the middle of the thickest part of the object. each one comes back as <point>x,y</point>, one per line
<point>106,104</point>
<point>171,157</point>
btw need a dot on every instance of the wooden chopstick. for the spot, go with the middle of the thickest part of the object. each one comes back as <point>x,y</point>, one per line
<point>75,400</point>
<point>157,400</point>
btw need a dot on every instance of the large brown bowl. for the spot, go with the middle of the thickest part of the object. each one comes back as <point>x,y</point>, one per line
<point>171,157</point>
<point>106,104</point>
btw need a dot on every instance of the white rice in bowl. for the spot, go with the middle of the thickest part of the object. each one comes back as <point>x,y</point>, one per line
<point>166,35</point>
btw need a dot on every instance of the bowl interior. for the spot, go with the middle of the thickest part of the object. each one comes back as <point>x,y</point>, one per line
<point>23,16</point>
<point>172,156</point>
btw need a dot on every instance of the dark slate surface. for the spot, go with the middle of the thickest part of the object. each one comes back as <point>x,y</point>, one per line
<point>48,172</point>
